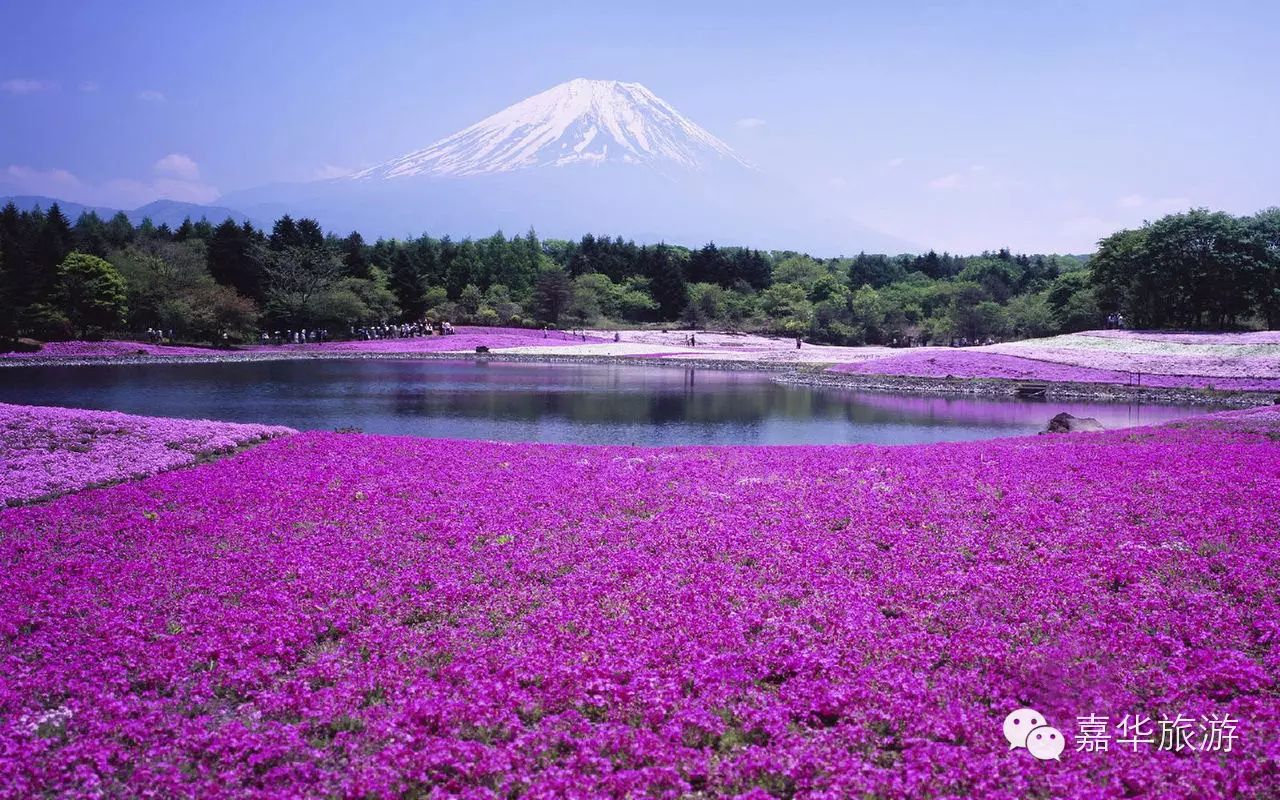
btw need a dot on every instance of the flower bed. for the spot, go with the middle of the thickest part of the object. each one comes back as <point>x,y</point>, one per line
<point>467,338</point>
<point>983,363</point>
<point>1241,367</point>
<point>1162,337</point>
<point>50,451</point>
<point>346,615</point>
<point>112,348</point>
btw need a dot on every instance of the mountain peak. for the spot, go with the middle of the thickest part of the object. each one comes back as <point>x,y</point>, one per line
<point>578,122</point>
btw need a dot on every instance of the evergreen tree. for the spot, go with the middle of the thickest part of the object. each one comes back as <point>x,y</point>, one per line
<point>89,235</point>
<point>51,247</point>
<point>665,271</point>
<point>406,283</point>
<point>118,231</point>
<point>234,260</point>
<point>552,292</point>
<point>707,266</point>
<point>309,233</point>
<point>353,256</point>
<point>284,234</point>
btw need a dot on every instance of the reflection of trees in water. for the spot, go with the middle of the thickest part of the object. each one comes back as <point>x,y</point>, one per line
<point>358,393</point>
<point>690,401</point>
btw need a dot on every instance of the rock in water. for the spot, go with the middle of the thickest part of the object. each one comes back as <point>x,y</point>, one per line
<point>1066,423</point>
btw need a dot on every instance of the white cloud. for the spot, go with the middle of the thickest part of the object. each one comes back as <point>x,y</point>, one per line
<point>1158,206</point>
<point>953,180</point>
<point>894,163</point>
<point>1170,205</point>
<point>746,123</point>
<point>39,181</point>
<point>329,172</point>
<point>976,176</point>
<point>151,96</point>
<point>88,86</point>
<point>1088,228</point>
<point>182,185</point>
<point>179,166</point>
<point>27,86</point>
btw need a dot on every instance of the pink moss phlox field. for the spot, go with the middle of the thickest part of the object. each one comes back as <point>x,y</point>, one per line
<point>357,616</point>
<point>47,451</point>
<point>467,337</point>
<point>1207,367</point>
<point>968,363</point>
<point>112,348</point>
<point>1249,338</point>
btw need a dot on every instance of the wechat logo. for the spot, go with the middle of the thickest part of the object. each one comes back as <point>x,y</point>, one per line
<point>1028,728</point>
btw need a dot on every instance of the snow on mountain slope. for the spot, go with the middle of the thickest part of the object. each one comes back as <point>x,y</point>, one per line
<point>577,122</point>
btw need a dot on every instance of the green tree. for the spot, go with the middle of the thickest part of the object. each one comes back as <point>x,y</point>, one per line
<point>1031,316</point>
<point>91,294</point>
<point>1194,269</point>
<point>664,267</point>
<point>354,257</point>
<point>235,258</point>
<point>706,305</point>
<point>552,292</point>
<point>297,278</point>
<point>788,308</point>
<point>470,298</point>
<point>1265,230</point>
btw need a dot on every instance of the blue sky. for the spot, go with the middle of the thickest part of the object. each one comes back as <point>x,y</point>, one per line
<point>961,125</point>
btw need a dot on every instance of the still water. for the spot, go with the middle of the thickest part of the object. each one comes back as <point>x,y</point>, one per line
<point>583,403</point>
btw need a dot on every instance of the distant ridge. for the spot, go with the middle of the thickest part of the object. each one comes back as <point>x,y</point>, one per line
<point>161,212</point>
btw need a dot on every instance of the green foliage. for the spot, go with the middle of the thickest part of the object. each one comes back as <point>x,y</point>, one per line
<point>90,294</point>
<point>204,280</point>
<point>552,293</point>
<point>1264,232</point>
<point>1193,270</point>
<point>788,308</point>
<point>1030,316</point>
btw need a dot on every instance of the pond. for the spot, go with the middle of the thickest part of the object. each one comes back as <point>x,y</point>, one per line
<point>582,403</point>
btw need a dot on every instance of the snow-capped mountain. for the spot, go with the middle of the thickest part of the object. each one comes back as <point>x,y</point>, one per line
<point>577,122</point>
<point>586,156</point>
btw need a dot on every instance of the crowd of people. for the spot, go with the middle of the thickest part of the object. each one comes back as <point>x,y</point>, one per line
<point>364,333</point>
<point>303,336</point>
<point>407,331</point>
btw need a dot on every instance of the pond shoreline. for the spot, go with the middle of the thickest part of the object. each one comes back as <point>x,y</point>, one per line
<point>788,373</point>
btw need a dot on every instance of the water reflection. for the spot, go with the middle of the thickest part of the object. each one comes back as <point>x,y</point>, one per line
<point>587,403</point>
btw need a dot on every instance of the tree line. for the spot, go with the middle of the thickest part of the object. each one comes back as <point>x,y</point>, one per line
<point>228,282</point>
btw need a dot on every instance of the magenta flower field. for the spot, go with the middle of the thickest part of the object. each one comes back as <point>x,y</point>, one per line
<point>467,338</point>
<point>49,451</point>
<point>975,363</point>
<point>1236,339</point>
<point>112,348</point>
<point>340,615</point>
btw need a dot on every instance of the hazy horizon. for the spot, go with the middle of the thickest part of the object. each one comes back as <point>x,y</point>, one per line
<point>963,128</point>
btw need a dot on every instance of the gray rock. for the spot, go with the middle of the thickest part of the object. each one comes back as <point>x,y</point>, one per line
<point>1066,423</point>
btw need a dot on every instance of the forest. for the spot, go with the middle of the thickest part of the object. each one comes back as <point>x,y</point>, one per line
<point>229,282</point>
